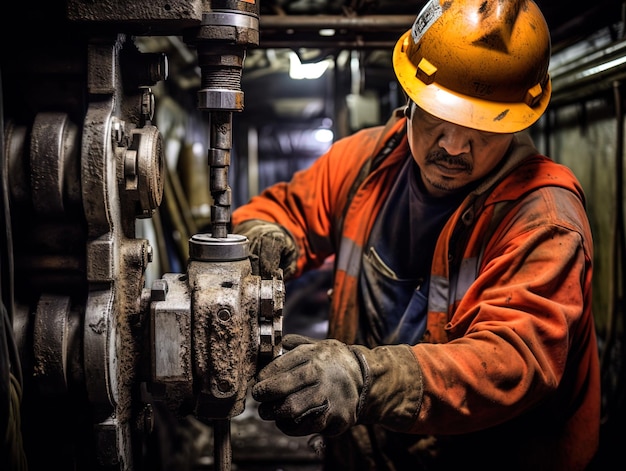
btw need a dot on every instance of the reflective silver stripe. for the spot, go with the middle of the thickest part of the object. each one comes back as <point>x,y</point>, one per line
<point>440,289</point>
<point>349,259</point>
<point>467,276</point>
<point>438,294</point>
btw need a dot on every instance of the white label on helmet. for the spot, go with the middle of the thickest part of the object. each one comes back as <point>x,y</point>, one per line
<point>429,14</point>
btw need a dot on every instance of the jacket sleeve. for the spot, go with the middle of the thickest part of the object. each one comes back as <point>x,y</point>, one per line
<point>309,204</point>
<point>521,337</point>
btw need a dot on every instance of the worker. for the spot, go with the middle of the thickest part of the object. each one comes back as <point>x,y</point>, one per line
<point>460,332</point>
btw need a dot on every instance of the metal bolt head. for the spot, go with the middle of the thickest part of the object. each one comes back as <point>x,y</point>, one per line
<point>159,290</point>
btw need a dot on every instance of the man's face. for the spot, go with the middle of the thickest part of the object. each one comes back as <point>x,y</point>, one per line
<point>452,156</point>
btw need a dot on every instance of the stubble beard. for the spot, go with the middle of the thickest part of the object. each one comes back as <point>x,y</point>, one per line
<point>444,183</point>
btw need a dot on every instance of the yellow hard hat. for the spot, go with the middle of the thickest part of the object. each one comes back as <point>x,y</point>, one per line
<point>482,64</point>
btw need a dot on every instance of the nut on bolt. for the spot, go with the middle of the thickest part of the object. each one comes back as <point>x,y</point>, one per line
<point>118,129</point>
<point>159,290</point>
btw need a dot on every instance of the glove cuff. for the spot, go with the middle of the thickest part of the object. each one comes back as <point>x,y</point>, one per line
<point>393,388</point>
<point>367,380</point>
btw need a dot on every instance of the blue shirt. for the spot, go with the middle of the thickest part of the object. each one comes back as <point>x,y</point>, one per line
<point>397,259</point>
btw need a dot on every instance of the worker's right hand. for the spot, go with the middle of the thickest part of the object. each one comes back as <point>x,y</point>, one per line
<point>326,386</point>
<point>272,248</point>
<point>315,387</point>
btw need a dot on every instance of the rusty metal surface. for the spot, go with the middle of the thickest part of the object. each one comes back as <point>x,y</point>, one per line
<point>154,16</point>
<point>102,353</point>
<point>78,262</point>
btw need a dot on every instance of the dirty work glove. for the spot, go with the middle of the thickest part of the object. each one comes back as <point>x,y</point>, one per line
<point>271,248</point>
<point>326,386</point>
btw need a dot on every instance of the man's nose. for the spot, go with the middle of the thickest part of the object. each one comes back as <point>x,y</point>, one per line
<point>455,140</point>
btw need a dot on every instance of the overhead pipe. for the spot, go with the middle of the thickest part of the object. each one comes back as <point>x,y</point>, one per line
<point>350,32</point>
<point>590,74</point>
<point>372,23</point>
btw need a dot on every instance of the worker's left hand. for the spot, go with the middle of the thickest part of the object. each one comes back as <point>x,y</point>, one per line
<point>313,388</point>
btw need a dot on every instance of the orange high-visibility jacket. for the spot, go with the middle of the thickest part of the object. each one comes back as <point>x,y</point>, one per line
<point>510,333</point>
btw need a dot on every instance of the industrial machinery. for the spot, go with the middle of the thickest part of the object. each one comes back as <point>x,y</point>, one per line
<point>98,360</point>
<point>97,353</point>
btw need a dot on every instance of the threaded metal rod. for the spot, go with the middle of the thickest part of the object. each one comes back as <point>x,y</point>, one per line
<point>219,162</point>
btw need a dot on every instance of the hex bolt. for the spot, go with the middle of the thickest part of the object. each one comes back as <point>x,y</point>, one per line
<point>147,104</point>
<point>149,253</point>
<point>159,290</point>
<point>117,129</point>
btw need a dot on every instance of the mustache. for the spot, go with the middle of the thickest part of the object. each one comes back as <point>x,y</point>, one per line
<point>451,160</point>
